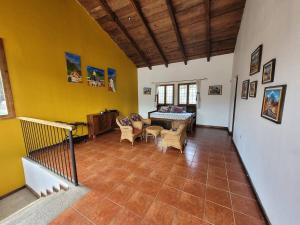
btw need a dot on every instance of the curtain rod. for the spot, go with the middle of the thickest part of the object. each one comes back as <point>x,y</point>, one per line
<point>205,78</point>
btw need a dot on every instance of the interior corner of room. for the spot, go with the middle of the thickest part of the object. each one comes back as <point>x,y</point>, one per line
<point>121,104</point>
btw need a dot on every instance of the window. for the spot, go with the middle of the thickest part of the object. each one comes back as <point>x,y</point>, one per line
<point>6,102</point>
<point>166,94</point>
<point>187,94</point>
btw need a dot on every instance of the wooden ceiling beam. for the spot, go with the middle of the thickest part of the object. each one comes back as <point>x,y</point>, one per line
<point>104,5</point>
<point>145,23</point>
<point>176,29</point>
<point>208,27</point>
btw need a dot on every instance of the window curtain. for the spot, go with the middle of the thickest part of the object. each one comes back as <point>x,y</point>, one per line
<point>198,83</point>
<point>156,95</point>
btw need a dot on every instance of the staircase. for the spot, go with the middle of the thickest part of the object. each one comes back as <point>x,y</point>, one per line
<point>45,209</point>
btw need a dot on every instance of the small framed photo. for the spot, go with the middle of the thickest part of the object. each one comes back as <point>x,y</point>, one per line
<point>253,89</point>
<point>268,71</point>
<point>256,60</point>
<point>245,89</point>
<point>273,102</point>
<point>147,91</point>
<point>215,90</point>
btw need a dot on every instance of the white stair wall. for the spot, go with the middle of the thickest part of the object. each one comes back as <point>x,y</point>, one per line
<point>40,179</point>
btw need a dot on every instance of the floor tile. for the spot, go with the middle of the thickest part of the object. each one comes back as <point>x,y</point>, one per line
<point>160,214</point>
<point>126,217</point>
<point>241,219</point>
<point>217,182</point>
<point>182,218</point>
<point>121,194</point>
<point>191,204</point>
<point>149,187</point>
<point>139,203</point>
<point>241,189</point>
<point>194,188</point>
<point>218,215</point>
<point>169,195</point>
<point>247,206</point>
<point>175,182</point>
<point>218,196</point>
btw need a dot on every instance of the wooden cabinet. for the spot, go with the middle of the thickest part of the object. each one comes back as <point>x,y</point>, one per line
<point>100,123</point>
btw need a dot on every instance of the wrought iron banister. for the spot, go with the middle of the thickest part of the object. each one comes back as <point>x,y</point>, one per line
<point>51,145</point>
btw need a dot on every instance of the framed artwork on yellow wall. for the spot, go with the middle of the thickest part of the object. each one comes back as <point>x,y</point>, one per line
<point>112,79</point>
<point>73,68</point>
<point>95,77</point>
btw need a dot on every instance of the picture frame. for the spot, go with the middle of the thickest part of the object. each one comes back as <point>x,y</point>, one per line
<point>147,91</point>
<point>273,103</point>
<point>215,90</point>
<point>245,89</point>
<point>255,63</point>
<point>253,89</point>
<point>95,77</point>
<point>268,71</point>
<point>112,79</point>
<point>73,63</point>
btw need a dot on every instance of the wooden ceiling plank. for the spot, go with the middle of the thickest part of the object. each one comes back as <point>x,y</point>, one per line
<point>208,27</point>
<point>145,23</point>
<point>108,10</point>
<point>176,29</point>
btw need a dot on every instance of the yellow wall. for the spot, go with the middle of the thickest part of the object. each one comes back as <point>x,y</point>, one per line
<point>36,34</point>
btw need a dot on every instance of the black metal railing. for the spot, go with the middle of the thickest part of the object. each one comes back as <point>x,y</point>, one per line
<point>51,145</point>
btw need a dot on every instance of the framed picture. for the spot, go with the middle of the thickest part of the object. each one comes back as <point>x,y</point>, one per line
<point>268,71</point>
<point>73,68</point>
<point>273,102</point>
<point>253,89</point>
<point>112,79</point>
<point>245,89</point>
<point>215,90</point>
<point>147,91</point>
<point>95,77</point>
<point>256,60</point>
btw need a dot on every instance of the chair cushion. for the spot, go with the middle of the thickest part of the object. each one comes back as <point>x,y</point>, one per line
<point>135,117</point>
<point>125,122</point>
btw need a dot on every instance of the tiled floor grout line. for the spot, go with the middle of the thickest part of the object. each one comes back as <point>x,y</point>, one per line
<point>84,216</point>
<point>233,214</point>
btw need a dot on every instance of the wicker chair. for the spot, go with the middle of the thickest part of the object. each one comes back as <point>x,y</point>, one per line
<point>144,121</point>
<point>131,133</point>
<point>175,138</point>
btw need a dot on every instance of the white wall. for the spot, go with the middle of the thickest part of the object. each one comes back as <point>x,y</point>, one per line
<point>214,110</point>
<point>271,152</point>
<point>40,179</point>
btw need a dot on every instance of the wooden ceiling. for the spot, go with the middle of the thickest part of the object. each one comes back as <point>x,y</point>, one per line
<point>155,32</point>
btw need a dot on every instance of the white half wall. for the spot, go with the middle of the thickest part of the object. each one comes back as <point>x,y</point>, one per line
<point>271,152</point>
<point>214,109</point>
<point>40,179</point>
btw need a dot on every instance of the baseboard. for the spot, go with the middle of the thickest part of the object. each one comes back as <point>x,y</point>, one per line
<point>229,132</point>
<point>252,185</point>
<point>212,127</point>
<point>12,192</point>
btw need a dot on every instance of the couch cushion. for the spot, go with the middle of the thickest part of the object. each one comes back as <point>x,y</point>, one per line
<point>135,117</point>
<point>125,122</point>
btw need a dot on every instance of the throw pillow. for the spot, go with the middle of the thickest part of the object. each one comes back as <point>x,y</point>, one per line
<point>125,122</point>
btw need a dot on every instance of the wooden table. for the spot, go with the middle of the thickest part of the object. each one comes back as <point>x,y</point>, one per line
<point>153,131</point>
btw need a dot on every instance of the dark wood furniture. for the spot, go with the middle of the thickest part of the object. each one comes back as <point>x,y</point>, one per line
<point>167,123</point>
<point>102,122</point>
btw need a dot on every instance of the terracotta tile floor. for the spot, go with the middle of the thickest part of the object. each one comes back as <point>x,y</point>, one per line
<point>146,185</point>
